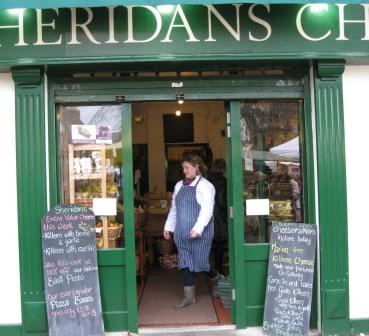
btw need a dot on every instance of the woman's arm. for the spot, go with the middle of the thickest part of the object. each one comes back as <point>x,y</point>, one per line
<point>205,194</point>
<point>170,223</point>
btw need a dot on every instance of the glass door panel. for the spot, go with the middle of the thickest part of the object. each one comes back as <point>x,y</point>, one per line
<point>271,165</point>
<point>90,149</point>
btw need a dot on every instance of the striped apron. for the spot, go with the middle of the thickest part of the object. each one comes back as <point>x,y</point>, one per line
<point>192,253</point>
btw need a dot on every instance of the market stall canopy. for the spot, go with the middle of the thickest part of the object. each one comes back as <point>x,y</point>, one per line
<point>7,4</point>
<point>289,150</point>
<point>266,156</point>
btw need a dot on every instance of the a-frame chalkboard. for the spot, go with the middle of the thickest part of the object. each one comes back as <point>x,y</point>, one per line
<point>290,279</point>
<point>72,290</point>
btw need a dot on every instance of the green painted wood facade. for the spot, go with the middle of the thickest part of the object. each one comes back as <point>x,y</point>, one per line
<point>117,268</point>
<point>32,197</point>
<point>332,197</point>
<point>120,311</point>
<point>334,278</point>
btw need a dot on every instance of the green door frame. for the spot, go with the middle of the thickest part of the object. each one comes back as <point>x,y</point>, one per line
<point>259,253</point>
<point>129,227</point>
<point>87,91</point>
<point>118,263</point>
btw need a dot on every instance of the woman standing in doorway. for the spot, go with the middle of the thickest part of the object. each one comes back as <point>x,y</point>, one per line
<point>191,220</point>
<point>217,178</point>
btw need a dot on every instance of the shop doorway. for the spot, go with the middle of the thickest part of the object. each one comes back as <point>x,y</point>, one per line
<point>244,104</point>
<point>164,131</point>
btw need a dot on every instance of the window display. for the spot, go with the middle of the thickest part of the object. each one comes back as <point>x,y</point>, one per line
<point>91,165</point>
<point>271,159</point>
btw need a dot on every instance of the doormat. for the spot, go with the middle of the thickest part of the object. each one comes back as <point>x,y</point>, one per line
<point>163,289</point>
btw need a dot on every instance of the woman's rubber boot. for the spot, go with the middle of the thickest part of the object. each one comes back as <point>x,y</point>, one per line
<point>188,297</point>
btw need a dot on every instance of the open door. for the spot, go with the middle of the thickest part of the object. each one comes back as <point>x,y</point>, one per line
<point>129,225</point>
<point>265,138</point>
<point>235,211</point>
<point>94,151</point>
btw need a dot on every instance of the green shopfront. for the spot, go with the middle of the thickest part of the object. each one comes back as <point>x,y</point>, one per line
<point>279,65</point>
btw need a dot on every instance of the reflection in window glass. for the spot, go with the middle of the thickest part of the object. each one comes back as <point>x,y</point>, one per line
<point>271,158</point>
<point>91,164</point>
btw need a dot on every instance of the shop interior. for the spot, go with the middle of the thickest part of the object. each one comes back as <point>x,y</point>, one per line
<point>90,145</point>
<point>161,133</point>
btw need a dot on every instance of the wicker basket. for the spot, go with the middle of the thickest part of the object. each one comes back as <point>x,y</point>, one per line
<point>168,261</point>
<point>115,232</point>
<point>86,202</point>
<point>164,246</point>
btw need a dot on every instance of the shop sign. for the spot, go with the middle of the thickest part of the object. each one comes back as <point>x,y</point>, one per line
<point>184,31</point>
<point>290,279</point>
<point>83,134</point>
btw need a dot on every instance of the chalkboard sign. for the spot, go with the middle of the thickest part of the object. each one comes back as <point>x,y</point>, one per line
<point>72,289</point>
<point>290,279</point>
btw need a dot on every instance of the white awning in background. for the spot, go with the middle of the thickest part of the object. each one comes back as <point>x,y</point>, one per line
<point>288,151</point>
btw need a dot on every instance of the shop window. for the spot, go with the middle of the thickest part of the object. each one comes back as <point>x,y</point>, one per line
<point>271,160</point>
<point>90,145</point>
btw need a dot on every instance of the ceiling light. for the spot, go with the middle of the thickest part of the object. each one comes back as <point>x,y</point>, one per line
<point>178,113</point>
<point>180,98</point>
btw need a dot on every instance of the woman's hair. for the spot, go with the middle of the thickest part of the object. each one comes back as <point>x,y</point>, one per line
<point>218,166</point>
<point>194,160</point>
<point>283,169</point>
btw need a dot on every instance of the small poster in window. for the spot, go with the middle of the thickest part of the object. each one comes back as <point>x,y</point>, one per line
<point>257,207</point>
<point>105,206</point>
<point>104,135</point>
<point>83,134</point>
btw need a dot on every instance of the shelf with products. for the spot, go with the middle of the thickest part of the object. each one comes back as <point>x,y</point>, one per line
<point>86,176</point>
<point>87,162</point>
<point>91,176</point>
<point>280,211</point>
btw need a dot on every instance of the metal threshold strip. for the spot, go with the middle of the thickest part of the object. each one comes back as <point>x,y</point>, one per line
<point>223,330</point>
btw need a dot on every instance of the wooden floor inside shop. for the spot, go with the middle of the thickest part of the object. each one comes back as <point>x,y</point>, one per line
<point>162,288</point>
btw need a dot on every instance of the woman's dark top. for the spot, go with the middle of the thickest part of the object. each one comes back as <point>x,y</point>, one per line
<point>220,206</point>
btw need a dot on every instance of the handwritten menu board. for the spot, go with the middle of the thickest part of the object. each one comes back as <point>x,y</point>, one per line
<point>70,272</point>
<point>290,279</point>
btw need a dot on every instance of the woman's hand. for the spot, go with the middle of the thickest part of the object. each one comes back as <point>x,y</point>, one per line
<point>167,235</point>
<point>194,234</point>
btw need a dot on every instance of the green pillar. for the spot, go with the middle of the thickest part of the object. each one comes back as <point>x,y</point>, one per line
<point>31,191</point>
<point>332,197</point>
